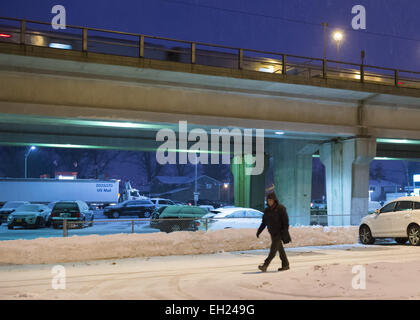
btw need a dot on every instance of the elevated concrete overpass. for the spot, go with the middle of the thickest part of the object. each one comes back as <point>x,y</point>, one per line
<point>74,98</point>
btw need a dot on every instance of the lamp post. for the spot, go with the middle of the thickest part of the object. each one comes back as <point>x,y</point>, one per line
<point>338,36</point>
<point>226,187</point>
<point>26,160</point>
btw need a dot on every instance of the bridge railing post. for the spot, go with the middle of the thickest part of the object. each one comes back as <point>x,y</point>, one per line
<point>396,77</point>
<point>192,52</point>
<point>84,42</point>
<point>283,65</point>
<point>241,59</point>
<point>362,73</point>
<point>22,31</point>
<point>141,46</point>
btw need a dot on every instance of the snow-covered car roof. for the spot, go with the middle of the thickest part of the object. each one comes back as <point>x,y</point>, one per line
<point>222,212</point>
<point>14,204</point>
<point>409,198</point>
<point>32,208</point>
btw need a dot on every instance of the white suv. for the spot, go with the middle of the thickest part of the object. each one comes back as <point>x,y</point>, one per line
<point>399,219</point>
<point>159,202</point>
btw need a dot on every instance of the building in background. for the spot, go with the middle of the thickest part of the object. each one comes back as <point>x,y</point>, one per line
<point>182,188</point>
<point>66,175</point>
<point>383,190</point>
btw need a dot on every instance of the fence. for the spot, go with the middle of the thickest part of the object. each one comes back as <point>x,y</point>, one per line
<point>186,224</point>
<point>36,33</point>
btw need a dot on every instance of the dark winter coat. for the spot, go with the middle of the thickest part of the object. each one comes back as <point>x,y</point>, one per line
<point>277,222</point>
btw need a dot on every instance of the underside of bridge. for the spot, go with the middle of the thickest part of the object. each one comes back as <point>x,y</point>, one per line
<point>83,100</point>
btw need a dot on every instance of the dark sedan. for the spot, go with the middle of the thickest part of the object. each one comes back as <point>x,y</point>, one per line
<point>139,208</point>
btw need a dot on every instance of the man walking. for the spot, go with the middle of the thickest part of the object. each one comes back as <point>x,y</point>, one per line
<point>277,222</point>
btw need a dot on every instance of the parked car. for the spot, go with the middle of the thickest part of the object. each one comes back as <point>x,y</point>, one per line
<point>155,216</point>
<point>226,218</point>
<point>207,207</point>
<point>74,211</point>
<point>318,204</point>
<point>158,202</point>
<point>139,208</point>
<point>179,218</point>
<point>29,215</point>
<point>205,202</point>
<point>8,208</point>
<point>50,206</point>
<point>399,219</point>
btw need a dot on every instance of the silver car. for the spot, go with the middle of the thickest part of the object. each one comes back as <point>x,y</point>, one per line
<point>29,215</point>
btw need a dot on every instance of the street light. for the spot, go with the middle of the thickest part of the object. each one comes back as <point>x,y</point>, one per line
<point>338,36</point>
<point>226,187</point>
<point>26,160</point>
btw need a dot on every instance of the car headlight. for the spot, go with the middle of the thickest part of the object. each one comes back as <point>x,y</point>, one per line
<point>9,218</point>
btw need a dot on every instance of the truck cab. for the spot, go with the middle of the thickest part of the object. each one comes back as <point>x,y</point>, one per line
<point>131,193</point>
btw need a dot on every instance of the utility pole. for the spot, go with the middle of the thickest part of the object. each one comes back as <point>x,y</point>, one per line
<point>325,25</point>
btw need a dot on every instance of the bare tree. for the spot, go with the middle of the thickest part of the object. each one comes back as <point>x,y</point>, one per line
<point>12,161</point>
<point>147,162</point>
<point>98,161</point>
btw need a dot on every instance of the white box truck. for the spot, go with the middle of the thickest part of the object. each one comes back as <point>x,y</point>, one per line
<point>95,192</point>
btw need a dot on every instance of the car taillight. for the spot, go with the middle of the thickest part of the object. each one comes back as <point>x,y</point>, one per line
<point>5,35</point>
<point>53,214</point>
<point>197,224</point>
<point>78,214</point>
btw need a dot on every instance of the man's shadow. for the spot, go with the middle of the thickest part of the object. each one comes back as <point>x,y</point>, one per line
<point>259,272</point>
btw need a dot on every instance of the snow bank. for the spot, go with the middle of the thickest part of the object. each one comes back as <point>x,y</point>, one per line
<point>95,247</point>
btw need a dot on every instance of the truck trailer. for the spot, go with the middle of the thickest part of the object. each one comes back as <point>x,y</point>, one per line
<point>95,192</point>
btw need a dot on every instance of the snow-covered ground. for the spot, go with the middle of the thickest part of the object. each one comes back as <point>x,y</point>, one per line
<point>118,246</point>
<point>391,272</point>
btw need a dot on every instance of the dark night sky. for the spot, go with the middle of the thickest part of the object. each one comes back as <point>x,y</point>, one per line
<point>266,25</point>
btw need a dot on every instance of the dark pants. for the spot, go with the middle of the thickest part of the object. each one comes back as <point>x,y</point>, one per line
<point>277,245</point>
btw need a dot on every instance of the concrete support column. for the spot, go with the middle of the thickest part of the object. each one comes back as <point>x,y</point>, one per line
<point>249,190</point>
<point>292,168</point>
<point>347,179</point>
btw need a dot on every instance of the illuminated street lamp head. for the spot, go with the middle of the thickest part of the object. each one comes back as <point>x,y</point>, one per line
<point>32,148</point>
<point>338,36</point>
<point>226,185</point>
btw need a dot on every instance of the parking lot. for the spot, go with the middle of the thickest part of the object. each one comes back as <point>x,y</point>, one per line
<point>101,226</point>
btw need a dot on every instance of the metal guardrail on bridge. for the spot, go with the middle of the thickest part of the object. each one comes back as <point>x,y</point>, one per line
<point>193,52</point>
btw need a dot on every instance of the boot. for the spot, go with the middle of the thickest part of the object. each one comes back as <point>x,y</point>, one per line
<point>284,268</point>
<point>263,267</point>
